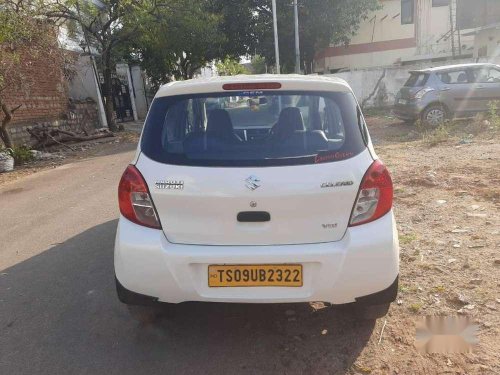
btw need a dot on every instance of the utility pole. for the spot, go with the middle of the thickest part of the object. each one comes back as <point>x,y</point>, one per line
<point>276,47</point>
<point>297,47</point>
<point>100,103</point>
<point>452,30</point>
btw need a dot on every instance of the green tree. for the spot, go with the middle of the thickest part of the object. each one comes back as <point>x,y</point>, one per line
<point>321,22</point>
<point>25,36</point>
<point>258,64</point>
<point>182,36</point>
<point>230,67</point>
<point>105,25</point>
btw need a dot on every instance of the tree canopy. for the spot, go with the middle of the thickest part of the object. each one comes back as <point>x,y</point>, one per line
<point>25,36</point>
<point>321,22</point>
<point>104,26</point>
<point>230,67</point>
<point>180,37</point>
<point>174,39</point>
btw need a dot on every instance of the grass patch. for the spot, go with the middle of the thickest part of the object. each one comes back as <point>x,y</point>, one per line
<point>405,239</point>
<point>426,266</point>
<point>494,115</point>
<point>437,136</point>
<point>377,112</point>
<point>438,289</point>
<point>415,307</point>
<point>21,154</point>
<point>463,129</point>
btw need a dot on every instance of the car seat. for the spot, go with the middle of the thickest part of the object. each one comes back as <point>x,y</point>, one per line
<point>289,121</point>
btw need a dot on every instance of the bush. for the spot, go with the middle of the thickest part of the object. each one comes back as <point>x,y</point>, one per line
<point>493,109</point>
<point>436,136</point>
<point>21,155</point>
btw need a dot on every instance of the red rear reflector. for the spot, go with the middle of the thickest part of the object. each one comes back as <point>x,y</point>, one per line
<point>252,86</point>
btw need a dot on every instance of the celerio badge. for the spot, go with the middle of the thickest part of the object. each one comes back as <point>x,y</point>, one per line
<point>170,185</point>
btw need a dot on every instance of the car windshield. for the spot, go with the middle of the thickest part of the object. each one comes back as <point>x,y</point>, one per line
<point>417,80</point>
<point>253,128</point>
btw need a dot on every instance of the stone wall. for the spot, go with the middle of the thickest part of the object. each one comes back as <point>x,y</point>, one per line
<point>80,116</point>
<point>363,81</point>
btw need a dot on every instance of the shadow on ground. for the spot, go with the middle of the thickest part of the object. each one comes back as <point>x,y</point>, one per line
<point>59,314</point>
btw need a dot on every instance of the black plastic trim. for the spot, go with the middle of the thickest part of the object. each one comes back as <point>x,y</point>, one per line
<point>132,298</point>
<point>384,296</point>
<point>253,216</point>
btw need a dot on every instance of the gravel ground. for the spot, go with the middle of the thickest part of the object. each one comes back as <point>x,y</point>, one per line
<point>447,190</point>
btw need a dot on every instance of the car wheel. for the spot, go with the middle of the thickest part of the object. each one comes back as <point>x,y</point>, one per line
<point>434,115</point>
<point>372,312</point>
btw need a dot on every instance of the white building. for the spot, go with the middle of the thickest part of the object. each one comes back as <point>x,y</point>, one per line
<point>487,43</point>
<point>411,31</point>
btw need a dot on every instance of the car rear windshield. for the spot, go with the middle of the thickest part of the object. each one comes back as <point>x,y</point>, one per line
<point>253,128</point>
<point>417,80</point>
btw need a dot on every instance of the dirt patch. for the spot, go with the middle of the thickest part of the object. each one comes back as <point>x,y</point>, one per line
<point>447,210</point>
<point>122,142</point>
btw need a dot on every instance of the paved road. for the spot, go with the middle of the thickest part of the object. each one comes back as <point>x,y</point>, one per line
<point>59,313</point>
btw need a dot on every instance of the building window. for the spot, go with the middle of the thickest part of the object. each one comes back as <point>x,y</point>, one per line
<point>440,3</point>
<point>407,11</point>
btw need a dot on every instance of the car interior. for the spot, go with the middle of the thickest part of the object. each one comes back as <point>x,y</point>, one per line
<point>289,135</point>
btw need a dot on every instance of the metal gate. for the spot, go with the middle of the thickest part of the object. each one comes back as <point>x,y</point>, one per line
<point>122,103</point>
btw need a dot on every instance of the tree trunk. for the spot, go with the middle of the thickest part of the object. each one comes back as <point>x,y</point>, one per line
<point>367,99</point>
<point>4,133</point>
<point>108,91</point>
<point>5,136</point>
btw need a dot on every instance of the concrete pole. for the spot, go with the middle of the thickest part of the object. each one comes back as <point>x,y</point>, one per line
<point>102,112</point>
<point>100,104</point>
<point>276,47</point>
<point>131,90</point>
<point>297,47</point>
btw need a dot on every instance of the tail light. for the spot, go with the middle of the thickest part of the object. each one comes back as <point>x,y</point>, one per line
<point>374,198</point>
<point>135,200</point>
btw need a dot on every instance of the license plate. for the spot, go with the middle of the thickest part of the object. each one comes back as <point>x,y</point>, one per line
<point>403,101</point>
<point>244,275</point>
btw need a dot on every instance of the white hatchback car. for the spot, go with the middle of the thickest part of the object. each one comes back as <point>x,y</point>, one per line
<point>258,189</point>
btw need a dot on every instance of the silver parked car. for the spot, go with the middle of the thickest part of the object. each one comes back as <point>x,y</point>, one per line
<point>435,94</point>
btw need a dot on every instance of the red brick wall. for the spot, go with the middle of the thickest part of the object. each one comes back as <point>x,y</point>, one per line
<point>82,116</point>
<point>43,94</point>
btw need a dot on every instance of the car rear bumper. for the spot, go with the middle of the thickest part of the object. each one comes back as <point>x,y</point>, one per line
<point>363,263</point>
<point>410,111</point>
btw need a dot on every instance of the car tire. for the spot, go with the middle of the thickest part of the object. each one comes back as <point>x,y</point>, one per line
<point>372,312</point>
<point>434,115</point>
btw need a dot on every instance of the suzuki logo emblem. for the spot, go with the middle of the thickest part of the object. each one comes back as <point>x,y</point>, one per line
<point>252,182</point>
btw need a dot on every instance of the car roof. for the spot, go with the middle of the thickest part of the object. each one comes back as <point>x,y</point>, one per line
<point>454,67</point>
<point>289,82</point>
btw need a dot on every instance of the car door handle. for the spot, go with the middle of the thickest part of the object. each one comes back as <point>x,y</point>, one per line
<point>253,216</point>
<point>445,89</point>
<point>480,87</point>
